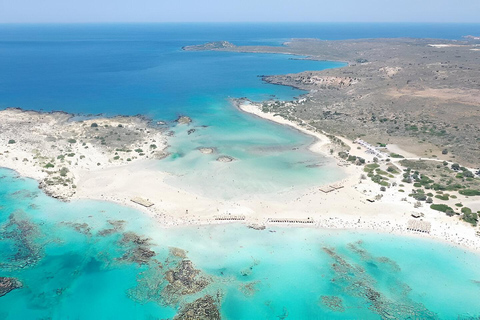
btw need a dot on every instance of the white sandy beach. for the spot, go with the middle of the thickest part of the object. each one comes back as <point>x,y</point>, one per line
<point>345,208</point>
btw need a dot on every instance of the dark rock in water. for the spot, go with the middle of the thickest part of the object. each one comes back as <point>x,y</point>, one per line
<point>8,284</point>
<point>256,226</point>
<point>138,248</point>
<point>183,280</point>
<point>184,120</point>
<point>184,277</point>
<point>201,309</point>
<point>225,159</point>
<point>189,132</point>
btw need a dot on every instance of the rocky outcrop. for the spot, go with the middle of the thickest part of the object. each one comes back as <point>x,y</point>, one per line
<point>8,284</point>
<point>207,150</point>
<point>137,248</point>
<point>184,120</point>
<point>183,279</point>
<point>201,309</point>
<point>225,159</point>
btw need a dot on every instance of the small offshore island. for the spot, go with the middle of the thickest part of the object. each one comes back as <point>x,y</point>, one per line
<point>409,146</point>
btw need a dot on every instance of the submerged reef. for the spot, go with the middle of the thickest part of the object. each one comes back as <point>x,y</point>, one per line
<point>8,284</point>
<point>353,280</point>
<point>117,226</point>
<point>137,248</point>
<point>250,288</point>
<point>201,309</point>
<point>183,280</point>
<point>82,228</point>
<point>333,303</point>
<point>169,282</point>
<point>23,235</point>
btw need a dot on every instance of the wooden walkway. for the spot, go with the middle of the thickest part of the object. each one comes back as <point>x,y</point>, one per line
<point>142,202</point>
<point>330,188</point>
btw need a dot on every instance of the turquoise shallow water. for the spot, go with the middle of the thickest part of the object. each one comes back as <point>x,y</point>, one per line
<point>141,69</point>
<point>83,260</point>
<point>75,263</point>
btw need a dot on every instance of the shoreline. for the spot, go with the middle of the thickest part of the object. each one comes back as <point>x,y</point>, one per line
<point>343,209</point>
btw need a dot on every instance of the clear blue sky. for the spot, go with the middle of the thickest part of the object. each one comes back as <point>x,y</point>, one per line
<point>239,11</point>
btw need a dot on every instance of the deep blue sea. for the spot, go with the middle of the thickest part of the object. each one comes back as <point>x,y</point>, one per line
<point>75,259</point>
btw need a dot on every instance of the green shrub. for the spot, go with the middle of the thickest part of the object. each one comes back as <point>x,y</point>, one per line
<point>49,165</point>
<point>63,172</point>
<point>343,155</point>
<point>94,125</point>
<point>469,192</point>
<point>441,207</point>
<point>443,197</point>
<point>11,141</point>
<point>419,196</point>
<point>396,155</point>
<point>469,216</point>
<point>72,141</point>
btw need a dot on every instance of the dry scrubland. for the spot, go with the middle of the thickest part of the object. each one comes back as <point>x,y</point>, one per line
<point>423,94</point>
<point>51,147</point>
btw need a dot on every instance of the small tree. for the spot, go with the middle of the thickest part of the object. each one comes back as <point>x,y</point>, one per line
<point>429,200</point>
<point>455,166</point>
<point>383,189</point>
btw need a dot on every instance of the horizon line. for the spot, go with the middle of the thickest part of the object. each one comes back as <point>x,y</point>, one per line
<point>240,22</point>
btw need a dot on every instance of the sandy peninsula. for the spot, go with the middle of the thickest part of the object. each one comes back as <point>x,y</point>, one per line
<point>113,159</point>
